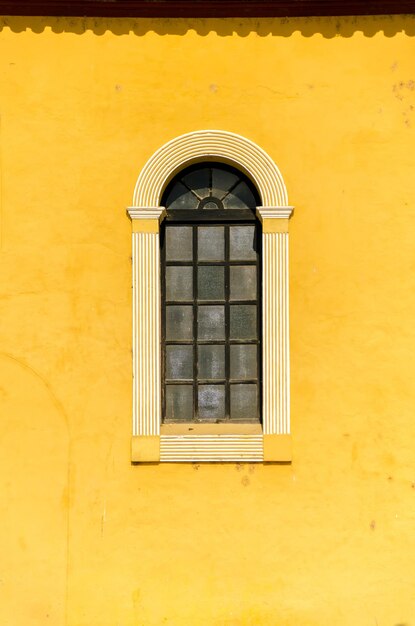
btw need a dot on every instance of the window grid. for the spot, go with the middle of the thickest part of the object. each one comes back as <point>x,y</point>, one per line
<point>227,342</point>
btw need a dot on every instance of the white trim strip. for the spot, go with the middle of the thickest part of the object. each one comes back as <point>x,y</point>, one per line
<point>146,334</point>
<point>188,448</point>
<point>135,334</point>
<point>275,340</point>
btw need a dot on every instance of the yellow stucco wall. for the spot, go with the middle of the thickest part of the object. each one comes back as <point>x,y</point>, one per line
<point>86,538</point>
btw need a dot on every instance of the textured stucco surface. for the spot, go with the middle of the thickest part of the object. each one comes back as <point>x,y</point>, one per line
<point>88,539</point>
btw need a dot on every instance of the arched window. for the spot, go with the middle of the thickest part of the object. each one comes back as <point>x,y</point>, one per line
<point>211,315</point>
<point>200,260</point>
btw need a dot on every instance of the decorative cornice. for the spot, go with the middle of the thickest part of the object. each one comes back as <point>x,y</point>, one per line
<point>273,212</point>
<point>206,8</point>
<point>146,213</point>
<point>205,145</point>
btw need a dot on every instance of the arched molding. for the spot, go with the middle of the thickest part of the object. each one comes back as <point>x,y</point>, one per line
<point>211,145</point>
<point>151,442</point>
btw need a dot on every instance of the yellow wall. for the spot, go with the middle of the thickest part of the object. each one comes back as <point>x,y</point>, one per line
<point>86,538</point>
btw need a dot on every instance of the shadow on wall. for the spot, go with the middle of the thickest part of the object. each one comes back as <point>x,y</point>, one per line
<point>328,27</point>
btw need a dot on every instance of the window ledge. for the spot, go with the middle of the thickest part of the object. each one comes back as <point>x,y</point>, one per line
<point>188,428</point>
<point>220,443</point>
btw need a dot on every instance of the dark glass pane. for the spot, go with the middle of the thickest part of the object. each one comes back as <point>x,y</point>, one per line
<point>179,322</point>
<point>224,294</point>
<point>179,283</point>
<point>240,198</point>
<point>243,282</point>
<point>243,321</point>
<point>244,361</point>
<point>211,322</point>
<point>211,400</point>
<point>179,243</point>
<point>181,198</point>
<point>211,243</point>
<point>211,282</point>
<point>222,182</point>
<point>198,181</point>
<point>179,403</point>
<point>241,243</point>
<point>179,362</point>
<point>211,361</point>
<point>244,402</point>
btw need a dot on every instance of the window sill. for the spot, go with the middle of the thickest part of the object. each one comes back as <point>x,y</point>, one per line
<point>188,428</point>
<point>210,443</point>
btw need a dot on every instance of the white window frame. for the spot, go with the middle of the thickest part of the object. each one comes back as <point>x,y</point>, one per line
<point>153,442</point>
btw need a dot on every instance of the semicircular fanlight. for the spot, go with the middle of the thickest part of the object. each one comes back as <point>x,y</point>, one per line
<point>208,187</point>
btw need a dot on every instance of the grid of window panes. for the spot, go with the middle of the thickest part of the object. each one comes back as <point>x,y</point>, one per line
<point>211,318</point>
<point>211,322</point>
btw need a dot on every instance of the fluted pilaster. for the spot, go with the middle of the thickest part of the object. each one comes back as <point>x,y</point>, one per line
<point>146,321</point>
<point>275,320</point>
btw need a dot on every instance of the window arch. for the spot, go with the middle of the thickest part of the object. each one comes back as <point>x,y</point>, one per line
<point>211,315</point>
<point>153,441</point>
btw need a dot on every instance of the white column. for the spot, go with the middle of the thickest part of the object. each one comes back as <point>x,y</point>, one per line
<point>146,321</point>
<point>275,320</point>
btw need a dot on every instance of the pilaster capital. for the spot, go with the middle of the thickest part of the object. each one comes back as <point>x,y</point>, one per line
<point>146,213</point>
<point>146,219</point>
<point>274,212</point>
<point>274,219</point>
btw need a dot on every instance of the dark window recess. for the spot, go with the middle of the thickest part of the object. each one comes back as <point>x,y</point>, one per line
<point>211,314</point>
